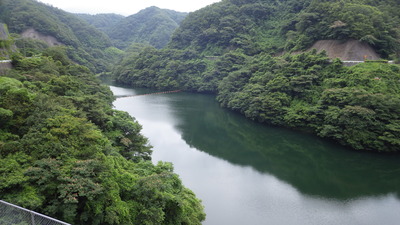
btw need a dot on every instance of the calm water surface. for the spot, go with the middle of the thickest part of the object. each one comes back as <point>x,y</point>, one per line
<point>250,174</point>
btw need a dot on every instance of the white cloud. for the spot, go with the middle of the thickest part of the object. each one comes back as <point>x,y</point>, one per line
<point>126,7</point>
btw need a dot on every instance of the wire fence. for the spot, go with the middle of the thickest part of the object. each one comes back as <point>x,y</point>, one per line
<point>14,215</point>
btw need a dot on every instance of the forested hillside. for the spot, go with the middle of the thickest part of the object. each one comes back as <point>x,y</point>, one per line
<point>104,21</point>
<point>66,153</point>
<point>153,26</point>
<point>232,48</point>
<point>83,43</point>
<point>273,26</point>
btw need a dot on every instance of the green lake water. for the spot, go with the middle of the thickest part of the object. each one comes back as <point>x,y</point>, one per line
<point>251,174</point>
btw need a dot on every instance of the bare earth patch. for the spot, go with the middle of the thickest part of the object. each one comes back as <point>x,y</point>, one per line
<point>349,50</point>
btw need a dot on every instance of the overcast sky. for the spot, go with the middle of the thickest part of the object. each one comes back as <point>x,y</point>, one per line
<point>126,7</point>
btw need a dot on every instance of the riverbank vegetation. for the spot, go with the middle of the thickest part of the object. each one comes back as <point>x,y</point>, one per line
<point>66,153</point>
<point>249,54</point>
<point>356,106</point>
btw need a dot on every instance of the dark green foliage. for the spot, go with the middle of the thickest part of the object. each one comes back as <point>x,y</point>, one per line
<point>370,22</point>
<point>252,26</point>
<point>20,15</point>
<point>66,153</point>
<point>162,69</point>
<point>356,106</point>
<point>153,26</point>
<point>30,47</point>
<point>256,26</point>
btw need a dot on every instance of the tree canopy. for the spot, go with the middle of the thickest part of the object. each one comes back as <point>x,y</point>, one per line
<point>65,152</point>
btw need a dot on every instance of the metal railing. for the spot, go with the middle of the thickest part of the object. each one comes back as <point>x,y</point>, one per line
<point>14,215</point>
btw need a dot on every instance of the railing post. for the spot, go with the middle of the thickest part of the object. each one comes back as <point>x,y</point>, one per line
<point>33,218</point>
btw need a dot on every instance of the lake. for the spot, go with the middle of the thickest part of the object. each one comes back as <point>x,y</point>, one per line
<point>252,174</point>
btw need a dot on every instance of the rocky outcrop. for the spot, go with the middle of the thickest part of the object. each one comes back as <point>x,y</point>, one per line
<point>5,43</point>
<point>3,32</point>
<point>349,50</point>
<point>32,33</point>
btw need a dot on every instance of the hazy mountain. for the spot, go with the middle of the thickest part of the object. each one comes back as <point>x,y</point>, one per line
<point>152,26</point>
<point>104,21</point>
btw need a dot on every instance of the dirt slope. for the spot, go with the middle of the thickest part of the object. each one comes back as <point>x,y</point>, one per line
<point>3,31</point>
<point>350,50</point>
<point>32,33</point>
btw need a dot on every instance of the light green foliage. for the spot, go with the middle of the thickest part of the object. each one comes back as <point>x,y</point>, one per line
<point>5,116</point>
<point>15,102</point>
<point>12,170</point>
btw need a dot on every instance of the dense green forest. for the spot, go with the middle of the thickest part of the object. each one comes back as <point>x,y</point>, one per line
<point>241,51</point>
<point>20,15</point>
<point>84,43</point>
<point>66,153</point>
<point>153,26</point>
<point>357,106</point>
<point>256,26</point>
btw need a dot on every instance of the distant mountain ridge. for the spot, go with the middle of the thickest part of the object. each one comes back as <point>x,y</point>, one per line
<point>153,26</point>
<point>103,21</point>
